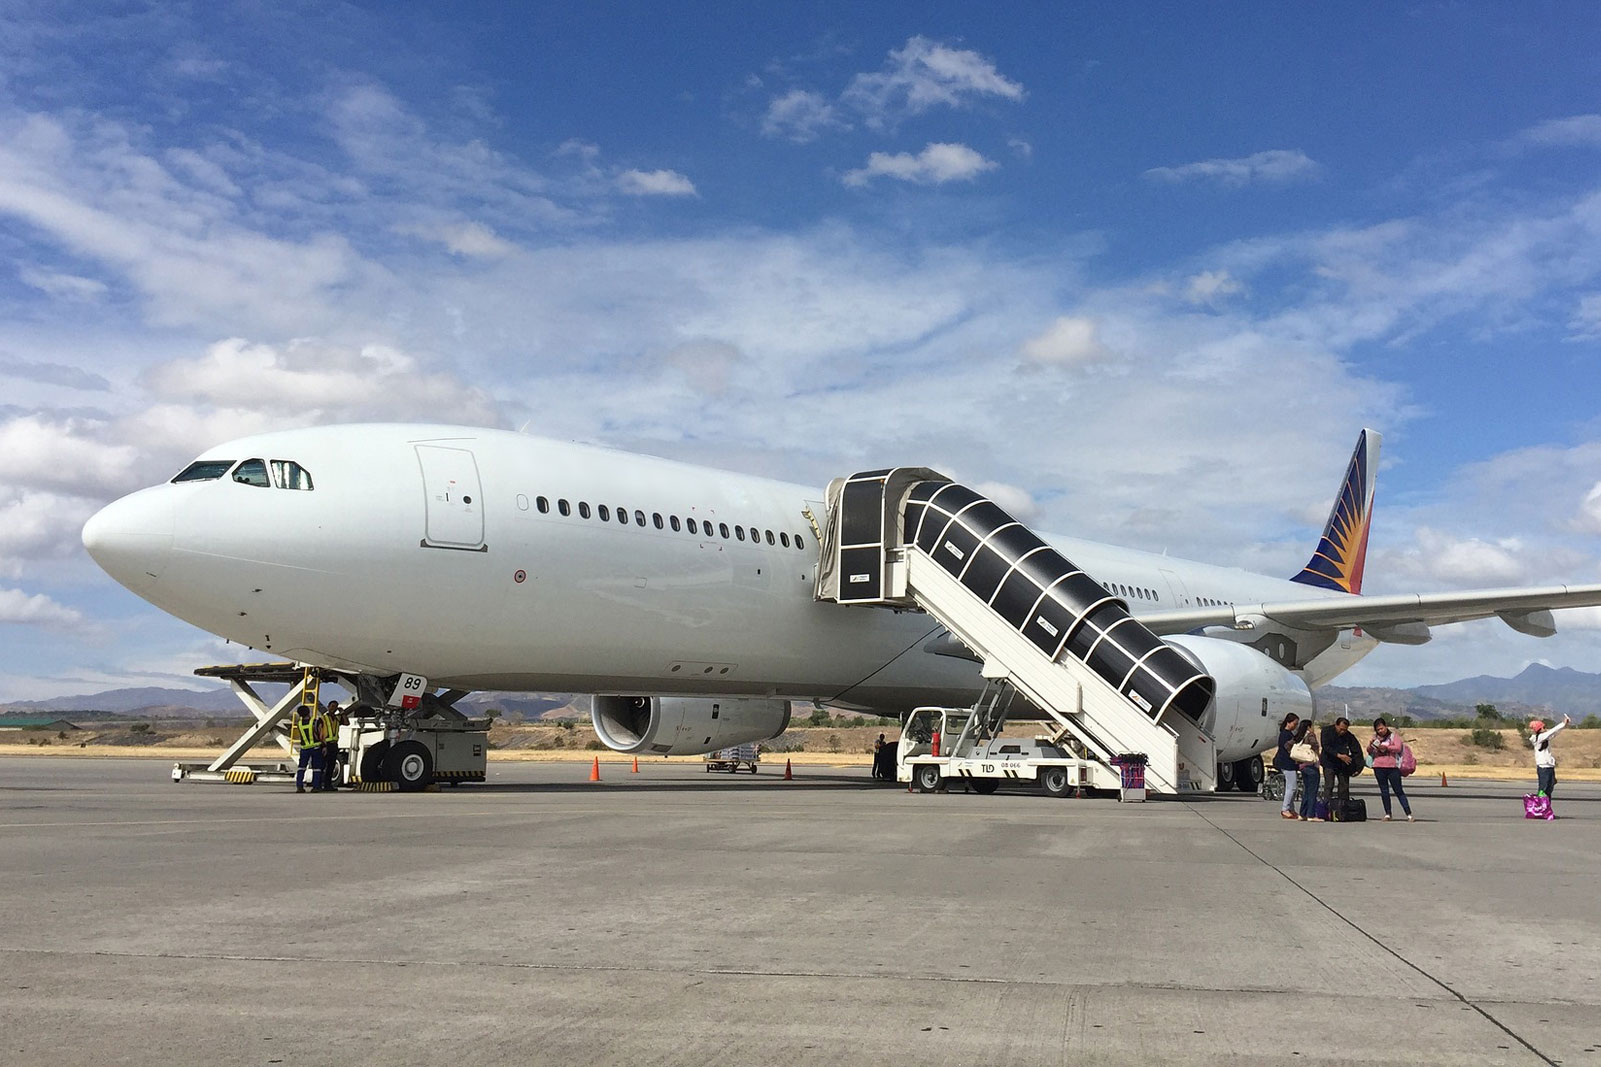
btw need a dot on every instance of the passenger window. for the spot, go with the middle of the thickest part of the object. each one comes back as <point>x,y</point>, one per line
<point>673,520</point>
<point>542,504</point>
<point>656,517</point>
<point>252,472</point>
<point>564,507</point>
<point>622,516</point>
<point>769,537</point>
<point>605,513</point>
<point>739,531</point>
<point>287,474</point>
<point>800,542</point>
<point>691,524</point>
<point>204,470</point>
<point>783,538</point>
<point>723,528</point>
<point>583,510</point>
<point>639,516</point>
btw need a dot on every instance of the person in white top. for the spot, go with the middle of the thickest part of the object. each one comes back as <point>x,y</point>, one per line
<point>1545,761</point>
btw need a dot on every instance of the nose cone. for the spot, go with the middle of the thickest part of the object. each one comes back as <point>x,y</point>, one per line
<point>131,538</point>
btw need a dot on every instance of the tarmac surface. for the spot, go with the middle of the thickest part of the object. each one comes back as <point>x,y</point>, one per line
<point>679,917</point>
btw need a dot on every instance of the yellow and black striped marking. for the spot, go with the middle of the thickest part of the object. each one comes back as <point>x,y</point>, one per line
<point>458,776</point>
<point>240,775</point>
<point>374,787</point>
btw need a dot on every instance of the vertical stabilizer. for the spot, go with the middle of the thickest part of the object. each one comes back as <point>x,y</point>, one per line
<point>1342,551</point>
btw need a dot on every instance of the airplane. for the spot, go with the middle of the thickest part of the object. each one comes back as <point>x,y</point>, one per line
<point>681,597</point>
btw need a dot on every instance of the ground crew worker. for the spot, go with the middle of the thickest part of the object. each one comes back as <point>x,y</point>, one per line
<point>330,748</point>
<point>303,732</point>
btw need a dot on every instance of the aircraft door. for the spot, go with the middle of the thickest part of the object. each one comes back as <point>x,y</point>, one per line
<point>453,498</point>
<point>1175,585</point>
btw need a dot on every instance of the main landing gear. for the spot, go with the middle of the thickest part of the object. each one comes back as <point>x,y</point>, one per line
<point>1245,775</point>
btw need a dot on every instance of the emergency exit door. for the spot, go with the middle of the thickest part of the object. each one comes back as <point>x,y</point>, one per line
<point>453,498</point>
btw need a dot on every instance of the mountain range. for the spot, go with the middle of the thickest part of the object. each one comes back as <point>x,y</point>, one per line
<point>1562,690</point>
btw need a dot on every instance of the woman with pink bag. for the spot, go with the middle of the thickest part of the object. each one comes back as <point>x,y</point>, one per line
<point>1385,750</point>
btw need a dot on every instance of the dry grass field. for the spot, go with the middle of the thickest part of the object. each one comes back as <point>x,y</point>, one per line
<point>1452,752</point>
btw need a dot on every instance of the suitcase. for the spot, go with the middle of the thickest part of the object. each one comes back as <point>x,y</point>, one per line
<point>1537,806</point>
<point>1353,810</point>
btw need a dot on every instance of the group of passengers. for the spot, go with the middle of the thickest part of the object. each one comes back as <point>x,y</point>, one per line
<point>1333,754</point>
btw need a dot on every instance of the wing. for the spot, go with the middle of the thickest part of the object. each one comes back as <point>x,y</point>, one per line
<point>1402,618</point>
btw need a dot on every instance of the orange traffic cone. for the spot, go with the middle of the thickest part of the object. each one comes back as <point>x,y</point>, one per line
<point>1443,782</point>
<point>788,772</point>
<point>594,771</point>
<point>636,763</point>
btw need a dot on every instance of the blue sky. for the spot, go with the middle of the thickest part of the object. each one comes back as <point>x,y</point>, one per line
<point>1191,250</point>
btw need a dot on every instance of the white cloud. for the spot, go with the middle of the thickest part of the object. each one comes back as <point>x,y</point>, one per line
<point>313,380</point>
<point>925,74</point>
<point>1016,502</point>
<point>655,183</point>
<point>37,610</point>
<point>1589,518</point>
<point>70,287</point>
<point>800,115</point>
<point>52,374</point>
<point>1210,286</point>
<point>1275,166</point>
<point>1586,321</point>
<point>1580,130</point>
<point>472,239</point>
<point>68,455</point>
<point>936,164</point>
<point>1070,340</point>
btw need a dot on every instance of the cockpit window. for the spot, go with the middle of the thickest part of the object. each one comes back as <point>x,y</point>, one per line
<point>287,474</point>
<point>252,472</point>
<point>204,470</point>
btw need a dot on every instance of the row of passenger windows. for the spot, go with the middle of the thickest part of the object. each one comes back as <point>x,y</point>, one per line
<point>1134,591</point>
<point>702,528</point>
<point>1212,602</point>
<point>264,474</point>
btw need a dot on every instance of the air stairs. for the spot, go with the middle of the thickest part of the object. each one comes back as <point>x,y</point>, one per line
<point>910,538</point>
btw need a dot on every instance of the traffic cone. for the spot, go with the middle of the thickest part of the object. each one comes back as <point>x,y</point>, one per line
<point>636,763</point>
<point>594,771</point>
<point>788,772</point>
<point>1443,782</point>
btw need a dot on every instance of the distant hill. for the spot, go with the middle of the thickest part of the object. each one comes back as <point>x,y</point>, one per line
<point>1562,690</point>
<point>1559,689</point>
<point>142,700</point>
<point>1538,689</point>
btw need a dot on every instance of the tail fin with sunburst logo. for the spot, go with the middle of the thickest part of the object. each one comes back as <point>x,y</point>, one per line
<point>1342,551</point>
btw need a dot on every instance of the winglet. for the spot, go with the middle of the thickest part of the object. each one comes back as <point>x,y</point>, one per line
<point>1342,551</point>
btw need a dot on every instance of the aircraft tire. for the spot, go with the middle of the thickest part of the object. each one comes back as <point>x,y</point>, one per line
<point>1055,781</point>
<point>372,762</point>
<point>1225,777</point>
<point>1248,775</point>
<point>410,766</point>
<point>927,778</point>
<point>984,786</point>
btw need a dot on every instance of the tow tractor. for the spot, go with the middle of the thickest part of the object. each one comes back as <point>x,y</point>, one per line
<point>405,741</point>
<point>941,744</point>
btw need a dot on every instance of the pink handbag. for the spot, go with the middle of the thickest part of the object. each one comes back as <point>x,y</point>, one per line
<point>1537,806</point>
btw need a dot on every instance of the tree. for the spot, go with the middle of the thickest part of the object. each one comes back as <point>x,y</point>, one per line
<point>819,717</point>
<point>1487,711</point>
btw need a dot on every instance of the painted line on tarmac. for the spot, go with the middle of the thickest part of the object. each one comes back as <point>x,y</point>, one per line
<point>1332,910</point>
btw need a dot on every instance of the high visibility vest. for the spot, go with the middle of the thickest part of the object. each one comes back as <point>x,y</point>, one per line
<point>305,730</point>
<point>323,728</point>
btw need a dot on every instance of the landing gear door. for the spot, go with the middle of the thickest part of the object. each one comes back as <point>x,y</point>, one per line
<point>453,498</point>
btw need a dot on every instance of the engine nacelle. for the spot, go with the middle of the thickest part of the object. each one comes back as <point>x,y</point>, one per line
<point>1253,694</point>
<point>684,726</point>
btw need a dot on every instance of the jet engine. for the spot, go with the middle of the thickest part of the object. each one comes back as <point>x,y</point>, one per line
<point>684,726</point>
<point>1253,696</point>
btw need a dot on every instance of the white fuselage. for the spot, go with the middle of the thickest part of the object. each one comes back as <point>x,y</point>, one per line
<point>438,560</point>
